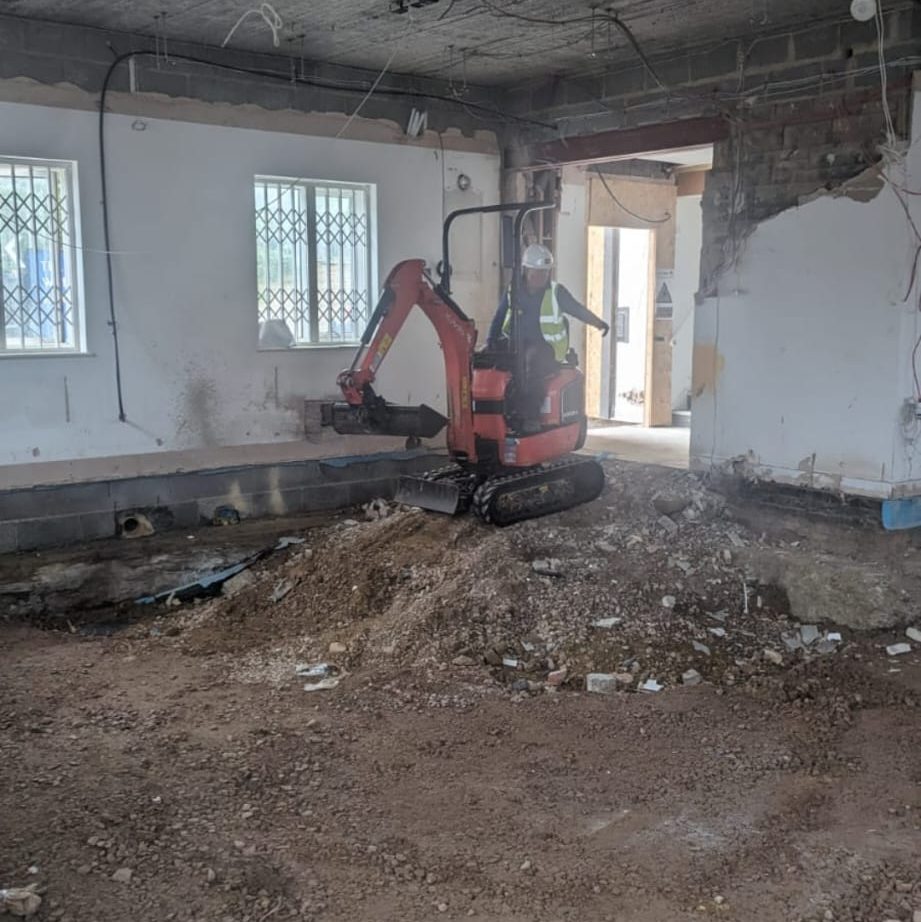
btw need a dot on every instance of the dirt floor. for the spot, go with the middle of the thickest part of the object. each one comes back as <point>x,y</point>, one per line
<point>174,767</point>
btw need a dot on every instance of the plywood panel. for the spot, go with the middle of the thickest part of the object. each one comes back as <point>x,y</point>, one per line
<point>595,303</point>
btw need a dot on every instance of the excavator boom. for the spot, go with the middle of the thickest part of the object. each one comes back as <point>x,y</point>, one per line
<point>363,411</point>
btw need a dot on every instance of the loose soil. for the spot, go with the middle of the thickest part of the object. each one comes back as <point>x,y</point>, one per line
<point>444,777</point>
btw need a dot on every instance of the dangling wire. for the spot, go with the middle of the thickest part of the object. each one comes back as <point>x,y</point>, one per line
<point>268,13</point>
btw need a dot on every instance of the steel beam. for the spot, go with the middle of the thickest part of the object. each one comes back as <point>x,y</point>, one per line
<point>620,142</point>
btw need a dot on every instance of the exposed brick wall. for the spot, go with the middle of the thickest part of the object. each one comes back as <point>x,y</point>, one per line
<point>778,154</point>
<point>804,107</point>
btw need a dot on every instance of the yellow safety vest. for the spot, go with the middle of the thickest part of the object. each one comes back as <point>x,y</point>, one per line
<point>553,327</point>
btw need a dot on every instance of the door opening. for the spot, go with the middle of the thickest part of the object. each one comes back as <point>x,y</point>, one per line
<point>621,282</point>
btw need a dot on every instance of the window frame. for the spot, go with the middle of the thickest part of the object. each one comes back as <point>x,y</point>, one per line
<point>74,248</point>
<point>309,187</point>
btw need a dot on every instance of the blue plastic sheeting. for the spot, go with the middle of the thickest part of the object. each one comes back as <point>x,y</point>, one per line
<point>899,514</point>
<point>206,585</point>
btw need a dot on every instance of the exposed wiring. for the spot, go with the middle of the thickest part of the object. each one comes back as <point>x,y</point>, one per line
<point>593,18</point>
<point>623,207</point>
<point>369,94</point>
<point>883,77</point>
<point>267,12</point>
<point>253,72</point>
<point>444,181</point>
<point>104,199</point>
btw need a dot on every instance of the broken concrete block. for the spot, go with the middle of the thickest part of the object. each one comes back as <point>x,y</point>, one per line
<point>281,589</point>
<point>808,633</point>
<point>547,566</point>
<point>606,623</point>
<point>668,525</point>
<point>700,647</point>
<point>666,503</point>
<point>691,677</point>
<point>556,678</point>
<point>898,649</point>
<point>20,901</point>
<point>338,647</point>
<point>792,641</point>
<point>606,683</point>
<point>865,595</point>
<point>651,685</point>
<point>914,634</point>
<point>772,656</point>
<point>601,683</point>
<point>668,601</point>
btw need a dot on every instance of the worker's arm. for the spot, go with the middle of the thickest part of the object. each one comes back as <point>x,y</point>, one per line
<point>495,328</point>
<point>569,305</point>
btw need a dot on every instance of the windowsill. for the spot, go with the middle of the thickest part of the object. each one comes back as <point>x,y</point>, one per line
<point>309,347</point>
<point>4,356</point>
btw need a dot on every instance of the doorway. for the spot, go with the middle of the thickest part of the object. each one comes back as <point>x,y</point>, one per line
<point>621,289</point>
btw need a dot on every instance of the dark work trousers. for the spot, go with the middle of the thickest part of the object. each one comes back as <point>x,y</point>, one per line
<point>539,364</point>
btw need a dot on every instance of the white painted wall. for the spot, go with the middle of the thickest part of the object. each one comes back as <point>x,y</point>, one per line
<point>804,361</point>
<point>181,213</point>
<point>688,229</point>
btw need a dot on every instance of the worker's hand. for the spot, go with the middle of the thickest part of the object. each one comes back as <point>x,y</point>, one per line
<point>605,328</point>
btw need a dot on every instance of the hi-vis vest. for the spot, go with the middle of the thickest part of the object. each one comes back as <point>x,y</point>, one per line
<point>552,325</point>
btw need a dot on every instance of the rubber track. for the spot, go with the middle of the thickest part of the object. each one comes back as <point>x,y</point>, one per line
<point>585,474</point>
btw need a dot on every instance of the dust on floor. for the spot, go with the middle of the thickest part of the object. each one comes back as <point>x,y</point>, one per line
<point>177,769</point>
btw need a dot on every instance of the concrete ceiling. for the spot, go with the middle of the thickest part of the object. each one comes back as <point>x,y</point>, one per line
<point>480,41</point>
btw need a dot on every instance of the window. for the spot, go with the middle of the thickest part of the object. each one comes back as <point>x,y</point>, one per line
<point>39,272</point>
<point>314,257</point>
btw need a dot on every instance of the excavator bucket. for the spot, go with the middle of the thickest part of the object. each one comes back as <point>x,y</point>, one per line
<point>435,495</point>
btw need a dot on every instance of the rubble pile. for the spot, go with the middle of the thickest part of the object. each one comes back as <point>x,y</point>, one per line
<point>643,590</point>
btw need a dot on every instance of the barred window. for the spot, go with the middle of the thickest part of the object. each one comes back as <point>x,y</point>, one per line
<point>314,261</point>
<point>39,309</point>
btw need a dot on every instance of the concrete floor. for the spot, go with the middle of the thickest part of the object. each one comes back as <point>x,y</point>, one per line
<point>664,445</point>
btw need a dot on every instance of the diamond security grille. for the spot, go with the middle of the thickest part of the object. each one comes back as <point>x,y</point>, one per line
<point>38,309</point>
<point>313,258</point>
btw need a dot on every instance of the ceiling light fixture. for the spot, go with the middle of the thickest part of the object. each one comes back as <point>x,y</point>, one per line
<point>863,10</point>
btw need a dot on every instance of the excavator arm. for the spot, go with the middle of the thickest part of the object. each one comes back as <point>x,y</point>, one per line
<point>365,412</point>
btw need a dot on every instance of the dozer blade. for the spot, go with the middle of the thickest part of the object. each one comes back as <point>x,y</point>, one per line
<point>435,495</point>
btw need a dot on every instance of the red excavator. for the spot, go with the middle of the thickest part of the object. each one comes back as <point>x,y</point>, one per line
<point>506,475</point>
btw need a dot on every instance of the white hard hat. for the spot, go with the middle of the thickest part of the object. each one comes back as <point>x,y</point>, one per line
<point>537,256</point>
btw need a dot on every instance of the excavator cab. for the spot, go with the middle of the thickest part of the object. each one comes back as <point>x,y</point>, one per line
<point>504,470</point>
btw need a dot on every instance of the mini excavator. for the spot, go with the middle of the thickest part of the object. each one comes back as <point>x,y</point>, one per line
<point>505,474</point>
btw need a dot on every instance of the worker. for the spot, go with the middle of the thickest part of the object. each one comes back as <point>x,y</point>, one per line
<point>544,333</point>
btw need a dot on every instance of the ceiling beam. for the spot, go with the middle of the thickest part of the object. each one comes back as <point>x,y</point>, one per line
<point>620,142</point>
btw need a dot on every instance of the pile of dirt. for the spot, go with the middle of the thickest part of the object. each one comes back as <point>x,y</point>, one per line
<point>650,583</point>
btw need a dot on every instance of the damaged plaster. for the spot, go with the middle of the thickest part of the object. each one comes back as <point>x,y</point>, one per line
<point>818,335</point>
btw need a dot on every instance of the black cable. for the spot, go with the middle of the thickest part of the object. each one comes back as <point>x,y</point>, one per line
<point>253,72</point>
<point>623,207</point>
<point>595,17</point>
<point>105,232</point>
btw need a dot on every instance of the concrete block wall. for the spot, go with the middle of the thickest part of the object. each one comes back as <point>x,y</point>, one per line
<point>61,514</point>
<point>728,76</point>
<point>57,53</point>
<point>782,154</point>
